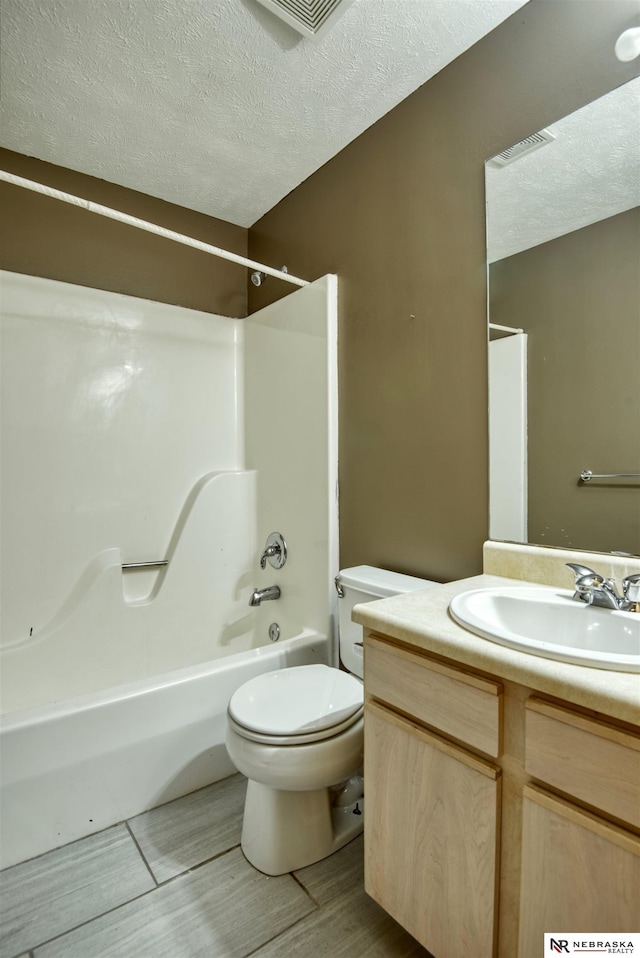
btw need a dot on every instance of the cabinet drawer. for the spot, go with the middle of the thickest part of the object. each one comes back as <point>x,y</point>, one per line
<point>591,760</point>
<point>463,706</point>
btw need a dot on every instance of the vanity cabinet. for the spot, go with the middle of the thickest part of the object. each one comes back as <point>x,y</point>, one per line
<point>580,862</point>
<point>432,817</point>
<point>494,815</point>
<point>580,872</point>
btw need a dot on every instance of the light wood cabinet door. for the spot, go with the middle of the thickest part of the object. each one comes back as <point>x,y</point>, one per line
<point>579,873</point>
<point>431,836</point>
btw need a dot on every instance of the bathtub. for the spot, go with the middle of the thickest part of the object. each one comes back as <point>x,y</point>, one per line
<point>78,766</point>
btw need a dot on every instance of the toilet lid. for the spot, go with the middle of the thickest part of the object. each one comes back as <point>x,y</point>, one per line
<point>296,701</point>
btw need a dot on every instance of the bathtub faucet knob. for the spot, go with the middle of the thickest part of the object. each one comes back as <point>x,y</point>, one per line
<point>275,551</point>
<point>267,554</point>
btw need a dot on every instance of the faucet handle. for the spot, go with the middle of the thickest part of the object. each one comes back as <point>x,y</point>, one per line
<point>580,571</point>
<point>586,582</point>
<point>268,553</point>
<point>631,588</point>
<point>275,551</point>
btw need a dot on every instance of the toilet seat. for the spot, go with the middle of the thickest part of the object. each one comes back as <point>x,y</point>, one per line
<point>299,739</point>
<point>292,706</point>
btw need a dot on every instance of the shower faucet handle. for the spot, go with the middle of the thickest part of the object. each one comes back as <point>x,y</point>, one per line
<point>269,553</point>
<point>275,552</point>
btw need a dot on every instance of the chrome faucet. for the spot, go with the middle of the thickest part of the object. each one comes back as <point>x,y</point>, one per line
<point>262,595</point>
<point>275,551</point>
<point>594,589</point>
<point>269,553</point>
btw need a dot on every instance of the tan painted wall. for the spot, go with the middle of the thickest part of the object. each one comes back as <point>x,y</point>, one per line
<point>578,298</point>
<point>399,216</point>
<point>44,237</point>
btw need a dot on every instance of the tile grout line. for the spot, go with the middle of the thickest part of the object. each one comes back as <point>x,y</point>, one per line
<point>305,889</point>
<point>302,918</point>
<point>123,904</point>
<point>31,951</point>
<point>194,868</point>
<point>140,852</point>
<point>318,907</point>
<point>109,911</point>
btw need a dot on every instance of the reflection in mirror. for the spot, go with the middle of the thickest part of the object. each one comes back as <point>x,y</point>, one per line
<point>563,240</point>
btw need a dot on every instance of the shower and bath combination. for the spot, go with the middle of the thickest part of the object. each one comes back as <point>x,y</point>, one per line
<point>103,667</point>
<point>178,654</point>
<point>111,664</point>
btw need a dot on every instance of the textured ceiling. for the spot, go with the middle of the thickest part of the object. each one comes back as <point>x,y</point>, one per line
<point>589,172</point>
<point>214,104</point>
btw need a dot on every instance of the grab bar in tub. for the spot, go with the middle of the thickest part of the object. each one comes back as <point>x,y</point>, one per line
<point>157,563</point>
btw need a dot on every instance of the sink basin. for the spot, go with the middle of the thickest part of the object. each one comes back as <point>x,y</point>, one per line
<point>549,622</point>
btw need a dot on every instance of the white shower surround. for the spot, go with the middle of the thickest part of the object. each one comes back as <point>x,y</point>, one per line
<point>195,609</point>
<point>81,492</point>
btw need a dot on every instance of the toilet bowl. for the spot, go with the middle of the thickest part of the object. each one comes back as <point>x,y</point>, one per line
<point>297,734</point>
<point>294,733</point>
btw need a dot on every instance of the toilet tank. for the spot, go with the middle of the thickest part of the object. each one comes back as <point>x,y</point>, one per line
<point>364,583</point>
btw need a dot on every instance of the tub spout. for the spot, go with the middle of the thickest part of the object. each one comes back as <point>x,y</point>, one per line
<point>262,595</point>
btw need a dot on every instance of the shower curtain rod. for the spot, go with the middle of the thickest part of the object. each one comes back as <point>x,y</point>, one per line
<point>505,329</point>
<point>149,227</point>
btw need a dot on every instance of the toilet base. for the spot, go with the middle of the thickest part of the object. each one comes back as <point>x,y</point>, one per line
<point>284,830</point>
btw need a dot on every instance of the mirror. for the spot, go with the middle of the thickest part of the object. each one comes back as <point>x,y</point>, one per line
<point>563,240</point>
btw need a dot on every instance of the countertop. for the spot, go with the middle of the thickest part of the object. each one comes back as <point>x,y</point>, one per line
<point>421,620</point>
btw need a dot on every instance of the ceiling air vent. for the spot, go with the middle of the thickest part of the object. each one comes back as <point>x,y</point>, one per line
<point>528,145</point>
<point>311,18</point>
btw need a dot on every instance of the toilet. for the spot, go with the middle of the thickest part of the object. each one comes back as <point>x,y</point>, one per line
<point>297,734</point>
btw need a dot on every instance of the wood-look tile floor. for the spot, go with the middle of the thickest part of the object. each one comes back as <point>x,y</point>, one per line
<point>173,883</point>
